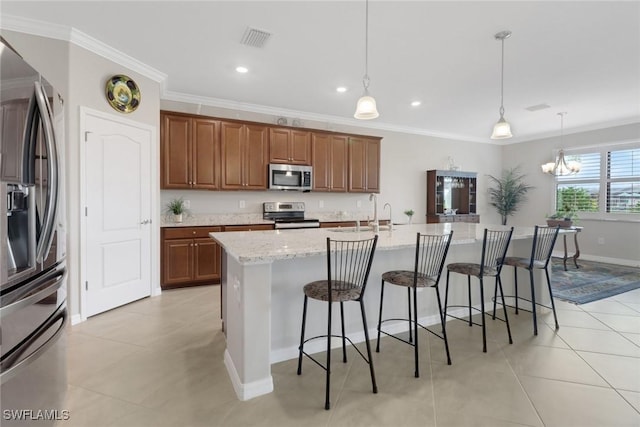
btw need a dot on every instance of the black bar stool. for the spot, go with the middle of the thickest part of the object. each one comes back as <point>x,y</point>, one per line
<point>544,239</point>
<point>494,249</point>
<point>348,267</point>
<point>431,251</point>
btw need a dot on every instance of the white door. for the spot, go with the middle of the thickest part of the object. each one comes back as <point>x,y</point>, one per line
<point>118,213</point>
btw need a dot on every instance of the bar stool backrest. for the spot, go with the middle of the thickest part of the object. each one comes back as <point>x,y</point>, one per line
<point>431,252</point>
<point>349,264</point>
<point>494,250</point>
<point>544,239</point>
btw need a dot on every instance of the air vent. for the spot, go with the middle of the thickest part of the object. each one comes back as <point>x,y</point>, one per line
<point>538,107</point>
<point>254,37</point>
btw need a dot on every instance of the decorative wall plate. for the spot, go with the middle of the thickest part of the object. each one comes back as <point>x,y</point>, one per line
<point>123,93</point>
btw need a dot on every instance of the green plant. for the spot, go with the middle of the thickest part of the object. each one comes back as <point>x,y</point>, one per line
<point>509,192</point>
<point>176,206</point>
<point>409,212</point>
<point>567,215</point>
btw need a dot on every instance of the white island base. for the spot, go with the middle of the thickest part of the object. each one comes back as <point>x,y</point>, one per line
<point>263,273</point>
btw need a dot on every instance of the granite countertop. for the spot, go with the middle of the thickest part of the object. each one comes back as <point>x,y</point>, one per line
<point>268,246</point>
<point>197,220</point>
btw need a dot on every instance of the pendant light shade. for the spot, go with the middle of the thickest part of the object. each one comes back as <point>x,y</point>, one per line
<point>502,129</point>
<point>366,108</point>
<point>561,167</point>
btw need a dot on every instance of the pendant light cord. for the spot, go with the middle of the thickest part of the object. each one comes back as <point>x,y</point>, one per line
<point>502,82</point>
<point>365,79</point>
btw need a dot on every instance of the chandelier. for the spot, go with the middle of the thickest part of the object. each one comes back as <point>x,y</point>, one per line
<point>561,167</point>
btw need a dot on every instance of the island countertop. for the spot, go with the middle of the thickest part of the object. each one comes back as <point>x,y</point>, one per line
<point>268,246</point>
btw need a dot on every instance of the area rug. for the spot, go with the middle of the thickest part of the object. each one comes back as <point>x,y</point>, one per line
<point>592,281</point>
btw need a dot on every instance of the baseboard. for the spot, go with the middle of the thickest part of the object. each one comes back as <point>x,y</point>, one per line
<point>76,318</point>
<point>246,391</point>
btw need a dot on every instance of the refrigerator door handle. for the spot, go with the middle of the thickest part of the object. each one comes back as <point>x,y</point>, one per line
<point>10,364</point>
<point>59,277</point>
<point>48,226</point>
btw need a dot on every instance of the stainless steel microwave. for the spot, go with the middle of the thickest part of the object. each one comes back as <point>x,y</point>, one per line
<point>290,177</point>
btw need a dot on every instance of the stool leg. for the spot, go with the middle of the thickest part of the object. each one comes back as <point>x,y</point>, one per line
<point>304,321</point>
<point>504,307</point>
<point>380,316</point>
<point>344,341</point>
<point>469,289</point>
<point>415,326</point>
<point>495,298</point>
<point>484,328</point>
<point>533,303</point>
<point>446,295</point>
<point>410,317</point>
<point>366,340</point>
<point>515,284</point>
<point>553,305</point>
<point>327,405</point>
<point>444,329</point>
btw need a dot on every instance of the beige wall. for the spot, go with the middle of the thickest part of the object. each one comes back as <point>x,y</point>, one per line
<point>621,237</point>
<point>80,76</point>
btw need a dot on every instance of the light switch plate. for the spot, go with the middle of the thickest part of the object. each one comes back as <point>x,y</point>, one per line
<point>241,204</point>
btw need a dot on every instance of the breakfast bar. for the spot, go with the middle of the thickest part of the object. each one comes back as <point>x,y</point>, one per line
<point>263,273</point>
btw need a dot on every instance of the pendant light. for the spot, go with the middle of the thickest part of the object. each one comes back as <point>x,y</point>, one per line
<point>502,129</point>
<point>366,108</point>
<point>561,167</point>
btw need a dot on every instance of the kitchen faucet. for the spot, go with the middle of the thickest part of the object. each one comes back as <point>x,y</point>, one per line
<point>375,225</point>
<point>390,215</point>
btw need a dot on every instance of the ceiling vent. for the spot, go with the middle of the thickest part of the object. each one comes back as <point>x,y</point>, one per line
<point>538,107</point>
<point>254,37</point>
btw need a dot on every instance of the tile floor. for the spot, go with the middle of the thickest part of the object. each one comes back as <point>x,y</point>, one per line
<point>158,362</point>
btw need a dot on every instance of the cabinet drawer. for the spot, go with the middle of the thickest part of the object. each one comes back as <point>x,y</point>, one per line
<point>189,232</point>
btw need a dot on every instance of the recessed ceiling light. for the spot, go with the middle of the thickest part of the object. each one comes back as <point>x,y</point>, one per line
<point>242,69</point>
<point>341,89</point>
<point>415,103</point>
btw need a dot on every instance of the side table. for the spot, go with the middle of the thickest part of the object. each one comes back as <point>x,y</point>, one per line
<point>576,255</point>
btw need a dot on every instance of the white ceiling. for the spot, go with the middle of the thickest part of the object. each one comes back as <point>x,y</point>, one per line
<point>581,57</point>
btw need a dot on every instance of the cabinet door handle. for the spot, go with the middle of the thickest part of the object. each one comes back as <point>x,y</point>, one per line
<point>196,245</point>
<point>194,232</point>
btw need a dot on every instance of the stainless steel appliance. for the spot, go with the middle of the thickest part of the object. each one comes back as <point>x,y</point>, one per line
<point>33,310</point>
<point>288,215</point>
<point>290,177</point>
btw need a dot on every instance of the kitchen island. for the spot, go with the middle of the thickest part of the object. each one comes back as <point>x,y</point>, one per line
<point>263,273</point>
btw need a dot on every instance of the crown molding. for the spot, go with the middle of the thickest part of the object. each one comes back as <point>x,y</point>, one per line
<point>333,120</point>
<point>78,38</point>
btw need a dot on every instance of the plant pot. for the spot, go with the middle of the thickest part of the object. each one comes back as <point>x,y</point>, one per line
<point>177,217</point>
<point>565,223</point>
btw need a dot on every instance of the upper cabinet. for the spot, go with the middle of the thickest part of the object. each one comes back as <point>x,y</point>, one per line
<point>190,152</point>
<point>199,152</point>
<point>451,196</point>
<point>364,165</point>
<point>245,156</point>
<point>289,146</point>
<point>330,156</point>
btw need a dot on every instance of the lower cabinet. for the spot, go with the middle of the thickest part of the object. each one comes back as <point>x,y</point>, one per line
<point>473,218</point>
<point>252,227</point>
<point>189,257</point>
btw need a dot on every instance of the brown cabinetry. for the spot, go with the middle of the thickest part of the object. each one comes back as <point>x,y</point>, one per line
<point>189,257</point>
<point>251,227</point>
<point>190,152</point>
<point>451,196</point>
<point>364,165</point>
<point>245,154</point>
<point>330,156</point>
<point>289,146</point>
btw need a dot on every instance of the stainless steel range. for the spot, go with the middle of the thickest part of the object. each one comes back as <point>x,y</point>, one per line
<point>288,215</point>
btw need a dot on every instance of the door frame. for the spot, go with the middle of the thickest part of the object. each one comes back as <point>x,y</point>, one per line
<point>85,112</point>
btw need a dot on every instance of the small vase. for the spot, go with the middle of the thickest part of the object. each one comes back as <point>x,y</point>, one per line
<point>177,217</point>
<point>410,218</point>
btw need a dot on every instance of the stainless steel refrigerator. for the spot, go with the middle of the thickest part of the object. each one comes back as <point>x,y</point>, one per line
<point>33,308</point>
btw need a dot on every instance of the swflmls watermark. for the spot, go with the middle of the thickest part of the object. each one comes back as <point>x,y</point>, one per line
<point>36,414</point>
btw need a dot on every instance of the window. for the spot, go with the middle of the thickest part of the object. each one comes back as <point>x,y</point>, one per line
<point>608,182</point>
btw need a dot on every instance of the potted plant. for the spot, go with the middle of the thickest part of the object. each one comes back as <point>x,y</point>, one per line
<point>177,208</point>
<point>409,213</point>
<point>562,218</point>
<point>509,193</point>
